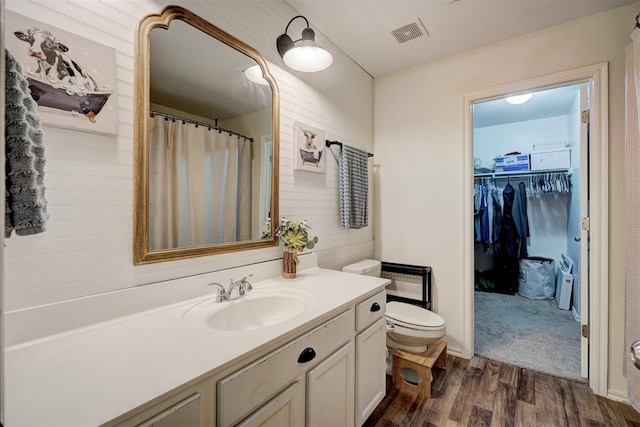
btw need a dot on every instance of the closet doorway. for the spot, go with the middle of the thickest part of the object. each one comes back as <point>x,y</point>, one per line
<point>530,152</point>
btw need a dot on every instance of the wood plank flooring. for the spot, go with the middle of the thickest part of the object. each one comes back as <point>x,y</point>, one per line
<point>482,392</point>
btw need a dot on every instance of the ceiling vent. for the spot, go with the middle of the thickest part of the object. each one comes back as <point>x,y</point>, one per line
<point>409,31</point>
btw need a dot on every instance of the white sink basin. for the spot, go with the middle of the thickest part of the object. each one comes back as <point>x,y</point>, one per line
<point>258,309</point>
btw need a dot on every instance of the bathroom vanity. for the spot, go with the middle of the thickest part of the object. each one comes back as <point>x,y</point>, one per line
<point>194,363</point>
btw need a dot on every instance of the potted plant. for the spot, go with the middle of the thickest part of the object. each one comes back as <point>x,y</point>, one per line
<point>295,236</point>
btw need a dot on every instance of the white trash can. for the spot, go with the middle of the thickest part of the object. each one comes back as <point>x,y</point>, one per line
<point>564,283</point>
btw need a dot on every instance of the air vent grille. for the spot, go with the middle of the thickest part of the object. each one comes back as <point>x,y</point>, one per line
<point>409,31</point>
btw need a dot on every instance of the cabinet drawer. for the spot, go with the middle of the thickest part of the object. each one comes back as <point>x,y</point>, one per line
<point>248,388</point>
<point>370,310</point>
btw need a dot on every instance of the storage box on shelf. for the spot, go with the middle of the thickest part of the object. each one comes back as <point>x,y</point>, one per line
<point>551,159</point>
<point>512,163</point>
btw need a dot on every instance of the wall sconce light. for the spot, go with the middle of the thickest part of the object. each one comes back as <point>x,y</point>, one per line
<point>303,54</point>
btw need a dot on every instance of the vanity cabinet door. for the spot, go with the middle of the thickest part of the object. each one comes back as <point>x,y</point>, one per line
<point>242,392</point>
<point>330,390</point>
<point>285,410</point>
<point>370,370</point>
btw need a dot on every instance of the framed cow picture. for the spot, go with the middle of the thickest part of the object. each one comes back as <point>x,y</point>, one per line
<point>71,78</point>
<point>308,148</point>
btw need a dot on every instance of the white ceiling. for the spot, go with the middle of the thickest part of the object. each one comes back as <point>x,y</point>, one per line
<point>212,85</point>
<point>362,28</point>
<point>543,104</point>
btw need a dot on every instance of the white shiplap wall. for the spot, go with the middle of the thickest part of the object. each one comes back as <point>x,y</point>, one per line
<point>87,248</point>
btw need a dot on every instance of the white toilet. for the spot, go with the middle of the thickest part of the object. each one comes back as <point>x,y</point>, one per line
<point>409,327</point>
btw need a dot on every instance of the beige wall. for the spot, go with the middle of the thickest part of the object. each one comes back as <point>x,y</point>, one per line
<point>419,148</point>
<point>87,248</point>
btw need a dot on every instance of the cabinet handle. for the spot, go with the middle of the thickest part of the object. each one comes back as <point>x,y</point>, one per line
<point>307,355</point>
<point>375,307</point>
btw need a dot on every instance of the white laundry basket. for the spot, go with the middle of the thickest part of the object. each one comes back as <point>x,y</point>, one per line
<point>537,278</point>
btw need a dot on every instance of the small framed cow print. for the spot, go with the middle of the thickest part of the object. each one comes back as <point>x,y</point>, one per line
<point>71,78</point>
<point>308,148</point>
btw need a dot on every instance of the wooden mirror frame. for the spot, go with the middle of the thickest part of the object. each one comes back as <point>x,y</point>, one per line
<point>141,251</point>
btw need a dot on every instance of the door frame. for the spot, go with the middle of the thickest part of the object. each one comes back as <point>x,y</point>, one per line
<point>2,192</point>
<point>598,283</point>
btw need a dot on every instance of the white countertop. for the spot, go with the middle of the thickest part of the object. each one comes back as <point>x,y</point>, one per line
<point>89,376</point>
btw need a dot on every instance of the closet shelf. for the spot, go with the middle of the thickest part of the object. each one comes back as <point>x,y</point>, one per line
<point>519,173</point>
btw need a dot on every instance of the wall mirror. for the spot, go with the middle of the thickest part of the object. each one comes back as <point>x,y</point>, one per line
<point>206,141</point>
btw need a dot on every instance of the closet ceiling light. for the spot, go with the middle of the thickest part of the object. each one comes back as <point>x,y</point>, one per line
<point>518,99</point>
<point>303,54</point>
<point>254,73</point>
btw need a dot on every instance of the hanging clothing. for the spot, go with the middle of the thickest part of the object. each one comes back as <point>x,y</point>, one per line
<point>477,212</point>
<point>497,217</point>
<point>25,203</point>
<point>507,259</point>
<point>487,196</point>
<point>508,224</point>
<point>482,217</point>
<point>485,221</point>
<point>520,218</point>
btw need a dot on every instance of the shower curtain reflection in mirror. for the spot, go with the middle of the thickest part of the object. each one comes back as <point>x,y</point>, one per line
<point>199,186</point>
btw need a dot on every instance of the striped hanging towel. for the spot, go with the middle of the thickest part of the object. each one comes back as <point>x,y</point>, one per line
<point>353,171</point>
<point>25,202</point>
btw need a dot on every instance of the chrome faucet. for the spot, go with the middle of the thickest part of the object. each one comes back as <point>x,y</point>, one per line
<point>221,294</point>
<point>246,283</point>
<point>243,286</point>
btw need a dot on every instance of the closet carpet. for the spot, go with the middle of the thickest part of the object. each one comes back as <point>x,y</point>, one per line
<point>532,334</point>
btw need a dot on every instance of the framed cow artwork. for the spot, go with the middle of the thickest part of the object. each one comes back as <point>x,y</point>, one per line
<point>308,148</point>
<point>71,78</point>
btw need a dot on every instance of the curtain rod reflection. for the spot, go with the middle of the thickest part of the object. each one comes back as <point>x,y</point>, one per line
<point>173,118</point>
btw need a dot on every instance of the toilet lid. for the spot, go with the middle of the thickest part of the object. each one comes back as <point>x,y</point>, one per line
<point>413,315</point>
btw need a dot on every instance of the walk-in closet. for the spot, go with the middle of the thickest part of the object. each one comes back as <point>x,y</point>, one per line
<point>528,152</point>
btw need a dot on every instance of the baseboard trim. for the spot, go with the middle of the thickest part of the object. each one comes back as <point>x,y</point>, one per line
<point>455,352</point>
<point>618,395</point>
<point>576,316</point>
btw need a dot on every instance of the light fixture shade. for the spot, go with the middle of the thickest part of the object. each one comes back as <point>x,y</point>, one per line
<point>303,54</point>
<point>307,57</point>
<point>518,99</point>
<point>254,74</point>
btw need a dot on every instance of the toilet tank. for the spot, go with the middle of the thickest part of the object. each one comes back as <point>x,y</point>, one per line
<point>367,267</point>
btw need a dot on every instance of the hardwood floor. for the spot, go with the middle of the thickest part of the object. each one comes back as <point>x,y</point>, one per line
<point>482,392</point>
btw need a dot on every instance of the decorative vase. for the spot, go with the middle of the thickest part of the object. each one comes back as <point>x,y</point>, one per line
<point>290,262</point>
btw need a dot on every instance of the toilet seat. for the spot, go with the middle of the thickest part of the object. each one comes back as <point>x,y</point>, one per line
<point>413,317</point>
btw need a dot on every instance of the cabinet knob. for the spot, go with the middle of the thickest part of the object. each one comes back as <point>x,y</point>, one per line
<point>307,355</point>
<point>375,307</point>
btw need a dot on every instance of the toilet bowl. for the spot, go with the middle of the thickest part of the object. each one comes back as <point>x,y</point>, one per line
<point>409,327</point>
<point>412,328</point>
